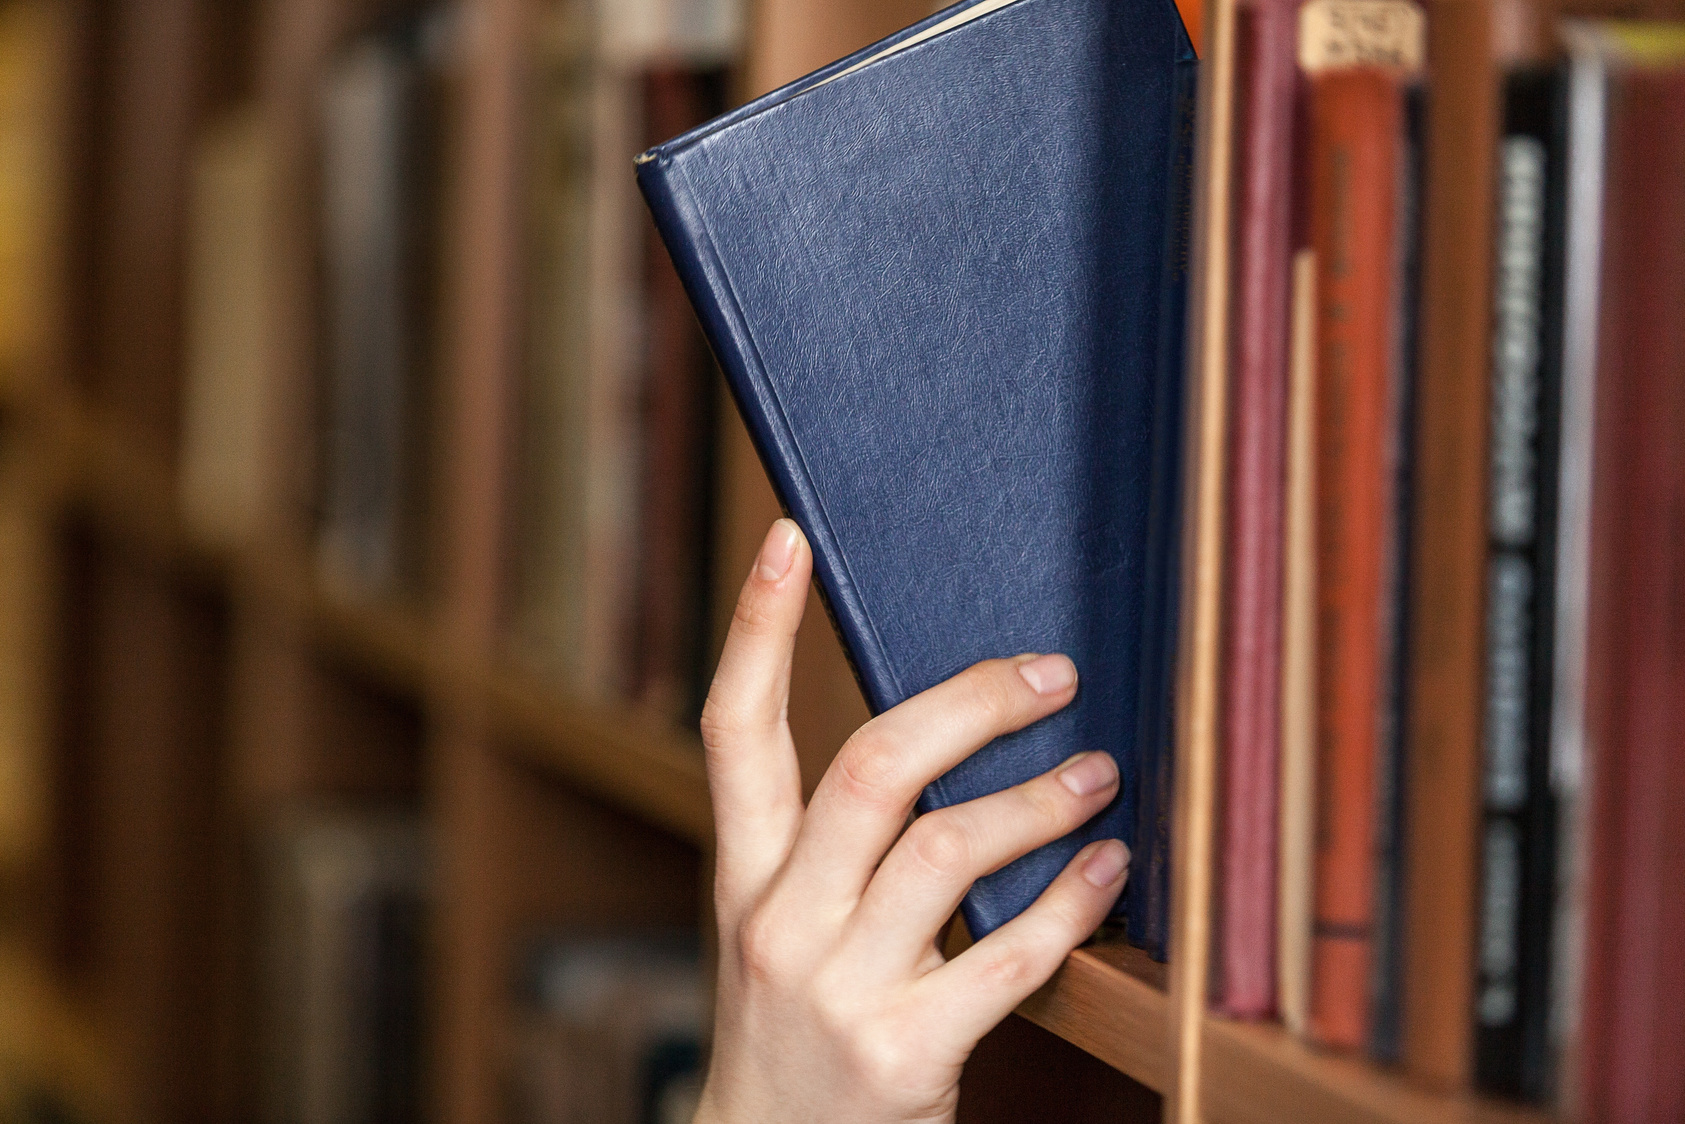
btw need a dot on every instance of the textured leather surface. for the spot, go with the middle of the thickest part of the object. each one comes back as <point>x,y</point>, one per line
<point>934,285</point>
<point>1148,900</point>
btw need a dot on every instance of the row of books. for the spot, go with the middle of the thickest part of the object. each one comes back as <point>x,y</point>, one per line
<point>1454,627</point>
<point>345,903</point>
<point>614,405</point>
<point>615,463</point>
<point>606,1026</point>
<point>609,1028</point>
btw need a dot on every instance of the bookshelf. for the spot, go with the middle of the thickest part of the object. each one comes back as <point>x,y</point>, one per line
<point>1256,1073</point>
<point>220,682</point>
<point>1109,999</point>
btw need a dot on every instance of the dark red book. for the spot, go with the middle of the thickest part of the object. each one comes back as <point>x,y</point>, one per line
<point>679,397</point>
<point>1355,143</point>
<point>1632,1035</point>
<point>1266,82</point>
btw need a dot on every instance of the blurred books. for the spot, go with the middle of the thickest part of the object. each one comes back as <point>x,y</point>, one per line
<point>613,425</point>
<point>609,1030</point>
<point>344,928</point>
<point>228,399</point>
<point>386,154</point>
<point>616,417</point>
<point>1448,615</point>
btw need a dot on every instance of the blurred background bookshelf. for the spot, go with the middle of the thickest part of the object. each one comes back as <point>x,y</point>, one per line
<point>297,728</point>
<point>370,516</point>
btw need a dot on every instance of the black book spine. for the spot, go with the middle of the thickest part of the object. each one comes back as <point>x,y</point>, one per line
<point>1518,853</point>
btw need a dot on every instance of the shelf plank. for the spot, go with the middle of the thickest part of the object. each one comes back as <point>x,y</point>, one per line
<point>127,488</point>
<point>1260,1074</point>
<point>631,760</point>
<point>1110,1000</point>
<point>391,644</point>
<point>636,761</point>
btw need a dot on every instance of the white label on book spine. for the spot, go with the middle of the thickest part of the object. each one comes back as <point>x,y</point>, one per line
<point>1337,34</point>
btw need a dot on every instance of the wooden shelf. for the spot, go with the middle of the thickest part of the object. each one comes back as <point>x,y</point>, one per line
<point>394,645</point>
<point>1110,999</point>
<point>633,760</point>
<point>630,759</point>
<point>636,761</point>
<point>1260,1074</point>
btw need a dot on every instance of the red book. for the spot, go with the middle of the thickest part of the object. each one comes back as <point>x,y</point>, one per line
<point>1632,1068</point>
<point>1356,137</point>
<point>1266,81</point>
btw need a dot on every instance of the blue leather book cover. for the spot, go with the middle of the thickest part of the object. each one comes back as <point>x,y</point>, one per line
<point>935,276</point>
<point>1148,900</point>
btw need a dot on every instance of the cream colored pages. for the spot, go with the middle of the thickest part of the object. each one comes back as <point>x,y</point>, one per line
<point>957,20</point>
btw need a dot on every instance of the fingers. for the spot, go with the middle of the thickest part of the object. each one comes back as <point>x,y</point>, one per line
<point>928,871</point>
<point>752,771</point>
<point>862,803</point>
<point>982,985</point>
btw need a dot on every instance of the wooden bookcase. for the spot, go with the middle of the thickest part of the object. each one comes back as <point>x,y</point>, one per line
<point>203,686</point>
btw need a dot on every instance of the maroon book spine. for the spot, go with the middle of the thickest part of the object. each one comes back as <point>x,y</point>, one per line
<point>1633,1029</point>
<point>678,419</point>
<point>1266,86</point>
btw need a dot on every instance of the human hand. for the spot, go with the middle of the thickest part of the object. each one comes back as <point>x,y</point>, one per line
<point>835,1002</point>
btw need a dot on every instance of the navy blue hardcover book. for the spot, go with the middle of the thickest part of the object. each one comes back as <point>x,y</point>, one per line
<point>935,274</point>
<point>1148,900</point>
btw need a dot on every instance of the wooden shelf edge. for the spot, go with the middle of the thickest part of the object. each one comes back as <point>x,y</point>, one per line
<point>393,646</point>
<point>633,761</point>
<point>1260,1074</point>
<point>1110,1000</point>
<point>630,760</point>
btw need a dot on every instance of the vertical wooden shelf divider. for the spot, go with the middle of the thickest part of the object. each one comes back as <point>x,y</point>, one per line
<point>482,308</point>
<point>153,700</point>
<point>1202,554</point>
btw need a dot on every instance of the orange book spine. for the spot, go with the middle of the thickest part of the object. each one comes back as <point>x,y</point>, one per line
<point>1356,132</point>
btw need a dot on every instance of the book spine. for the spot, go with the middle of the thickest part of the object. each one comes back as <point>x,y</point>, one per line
<point>227,389</point>
<point>1584,121</point>
<point>1632,1065</point>
<point>1147,906</point>
<point>1390,772</point>
<point>1518,819</point>
<point>1298,666</point>
<point>366,127</point>
<point>1446,607</point>
<point>1266,82</point>
<point>685,234</point>
<point>678,419</point>
<point>548,544</point>
<point>610,433</point>
<point>1356,124</point>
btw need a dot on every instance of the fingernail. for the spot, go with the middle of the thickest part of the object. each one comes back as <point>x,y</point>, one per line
<point>1106,865</point>
<point>1049,675</point>
<point>778,551</point>
<point>1088,773</point>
